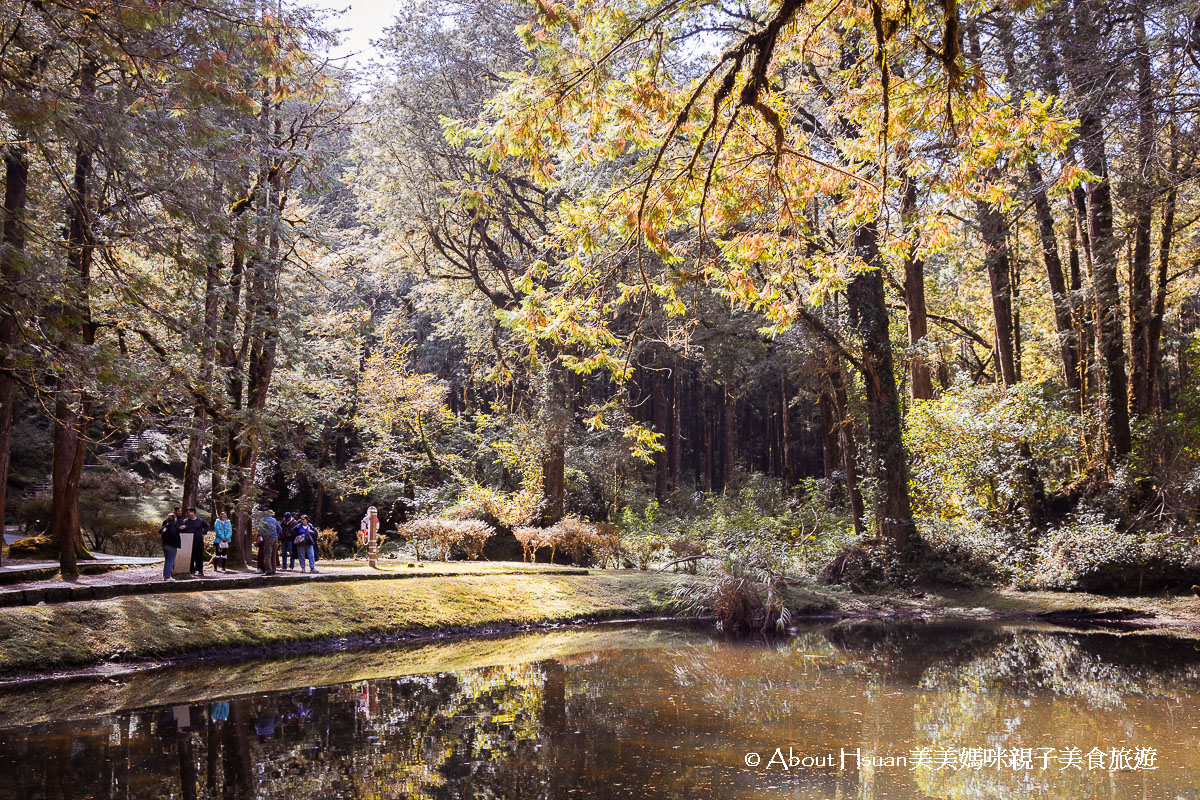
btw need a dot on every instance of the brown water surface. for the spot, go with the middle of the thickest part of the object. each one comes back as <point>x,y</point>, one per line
<point>879,710</point>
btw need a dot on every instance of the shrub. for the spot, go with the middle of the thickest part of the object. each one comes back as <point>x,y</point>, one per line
<point>473,536</point>
<point>573,537</point>
<point>983,450</point>
<point>326,539</point>
<point>607,546</point>
<point>503,509</point>
<point>1092,553</point>
<point>445,534</point>
<point>683,547</point>
<point>531,539</point>
<point>643,549</point>
<point>136,538</point>
<point>34,513</point>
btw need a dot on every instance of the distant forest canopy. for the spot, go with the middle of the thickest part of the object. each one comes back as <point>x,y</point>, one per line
<point>897,275</point>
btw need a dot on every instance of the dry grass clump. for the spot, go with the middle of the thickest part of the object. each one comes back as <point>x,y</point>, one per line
<point>471,535</point>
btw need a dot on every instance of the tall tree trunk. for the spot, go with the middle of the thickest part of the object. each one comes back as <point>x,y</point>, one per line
<point>1064,319</point>
<point>1141,300</point>
<point>72,405</point>
<point>1166,240</point>
<point>869,317</point>
<point>1106,293</point>
<point>230,364</point>
<point>261,332</point>
<point>12,258</point>
<point>993,229</point>
<point>194,464</point>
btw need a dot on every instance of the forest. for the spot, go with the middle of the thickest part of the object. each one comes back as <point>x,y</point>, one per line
<point>878,293</point>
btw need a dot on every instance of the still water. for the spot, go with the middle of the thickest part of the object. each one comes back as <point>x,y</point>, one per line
<point>840,711</point>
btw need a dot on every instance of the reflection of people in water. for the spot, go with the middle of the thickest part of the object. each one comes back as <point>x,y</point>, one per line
<point>266,722</point>
<point>167,729</point>
<point>220,711</point>
<point>174,732</point>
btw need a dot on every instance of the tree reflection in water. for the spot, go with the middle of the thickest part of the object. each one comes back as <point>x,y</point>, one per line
<point>669,717</point>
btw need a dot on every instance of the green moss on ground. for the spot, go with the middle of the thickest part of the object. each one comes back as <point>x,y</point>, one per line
<point>42,638</point>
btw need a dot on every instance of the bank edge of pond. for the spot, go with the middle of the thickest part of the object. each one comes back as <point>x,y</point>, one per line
<point>239,623</point>
<point>115,637</point>
<point>107,689</point>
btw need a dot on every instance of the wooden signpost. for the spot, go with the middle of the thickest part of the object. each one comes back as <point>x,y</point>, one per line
<point>372,535</point>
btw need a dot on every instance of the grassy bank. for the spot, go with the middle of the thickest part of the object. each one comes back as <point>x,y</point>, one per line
<point>42,638</point>
<point>47,638</point>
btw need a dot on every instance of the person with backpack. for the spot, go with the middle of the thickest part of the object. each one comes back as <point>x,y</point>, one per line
<point>169,532</point>
<point>268,532</point>
<point>305,543</point>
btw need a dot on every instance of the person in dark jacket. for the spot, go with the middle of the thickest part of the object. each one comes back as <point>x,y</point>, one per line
<point>287,552</point>
<point>197,527</point>
<point>169,532</point>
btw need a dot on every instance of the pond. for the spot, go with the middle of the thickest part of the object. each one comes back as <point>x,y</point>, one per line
<point>868,710</point>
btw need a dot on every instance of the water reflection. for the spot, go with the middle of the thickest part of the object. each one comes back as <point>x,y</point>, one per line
<point>638,713</point>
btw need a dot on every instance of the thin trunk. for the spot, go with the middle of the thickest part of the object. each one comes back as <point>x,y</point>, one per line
<point>728,403</point>
<point>1141,301</point>
<point>709,424</point>
<point>920,376</point>
<point>869,317</point>
<point>676,429</point>
<point>785,424</point>
<point>1064,319</point>
<point>829,429</point>
<point>661,418</point>
<point>554,455</point>
<point>12,263</point>
<point>1160,295</point>
<point>72,405</point>
<point>993,228</point>
<point>845,428</point>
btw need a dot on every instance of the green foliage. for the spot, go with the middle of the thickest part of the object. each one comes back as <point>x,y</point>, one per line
<point>975,448</point>
<point>1093,553</point>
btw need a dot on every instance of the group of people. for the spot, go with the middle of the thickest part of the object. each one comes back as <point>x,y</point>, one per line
<point>280,544</point>
<point>178,523</point>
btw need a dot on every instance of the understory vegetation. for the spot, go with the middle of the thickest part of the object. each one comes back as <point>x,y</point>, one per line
<point>878,295</point>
